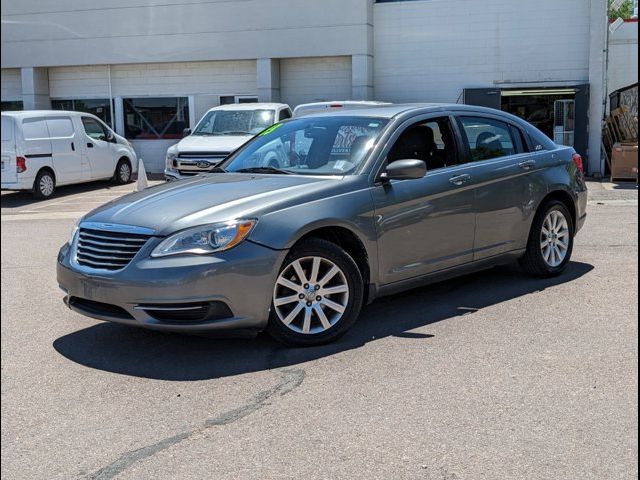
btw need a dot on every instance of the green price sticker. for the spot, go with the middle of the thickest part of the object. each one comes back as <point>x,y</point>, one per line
<point>271,129</point>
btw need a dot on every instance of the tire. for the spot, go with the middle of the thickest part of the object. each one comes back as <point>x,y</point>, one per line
<point>320,316</point>
<point>123,172</point>
<point>44,185</point>
<point>548,255</point>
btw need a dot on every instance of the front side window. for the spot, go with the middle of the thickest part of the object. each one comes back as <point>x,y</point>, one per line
<point>487,138</point>
<point>311,146</point>
<point>234,122</point>
<point>98,107</point>
<point>94,129</point>
<point>155,118</point>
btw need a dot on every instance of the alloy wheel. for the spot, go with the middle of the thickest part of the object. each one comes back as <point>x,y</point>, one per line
<point>311,295</point>
<point>554,238</point>
<point>125,172</point>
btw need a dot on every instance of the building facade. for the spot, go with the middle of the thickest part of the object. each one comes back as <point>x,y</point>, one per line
<point>151,68</point>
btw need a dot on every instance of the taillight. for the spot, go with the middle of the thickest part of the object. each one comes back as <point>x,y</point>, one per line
<point>21,164</point>
<point>577,159</point>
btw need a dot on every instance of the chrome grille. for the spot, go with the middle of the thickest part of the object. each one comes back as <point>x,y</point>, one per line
<point>107,250</point>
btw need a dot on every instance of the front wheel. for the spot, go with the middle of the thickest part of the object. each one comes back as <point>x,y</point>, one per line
<point>122,174</point>
<point>317,296</point>
<point>550,242</point>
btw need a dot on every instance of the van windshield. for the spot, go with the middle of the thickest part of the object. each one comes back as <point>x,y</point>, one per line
<point>335,145</point>
<point>234,122</point>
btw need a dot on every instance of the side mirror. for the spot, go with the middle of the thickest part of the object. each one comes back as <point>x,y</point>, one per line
<point>186,132</point>
<point>408,169</point>
<point>110,137</point>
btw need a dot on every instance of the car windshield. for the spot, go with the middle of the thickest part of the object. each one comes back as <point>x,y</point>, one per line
<point>334,145</point>
<point>234,122</point>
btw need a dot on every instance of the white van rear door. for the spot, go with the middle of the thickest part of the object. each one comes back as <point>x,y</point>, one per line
<point>9,174</point>
<point>67,158</point>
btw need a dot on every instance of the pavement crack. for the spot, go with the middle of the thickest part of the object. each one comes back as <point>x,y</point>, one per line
<point>291,379</point>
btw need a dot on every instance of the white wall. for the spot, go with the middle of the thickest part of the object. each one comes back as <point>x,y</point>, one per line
<point>91,32</point>
<point>304,80</point>
<point>11,83</point>
<point>432,50</point>
<point>623,57</point>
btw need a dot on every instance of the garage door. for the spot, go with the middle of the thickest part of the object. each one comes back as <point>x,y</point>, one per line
<point>11,84</point>
<point>304,80</point>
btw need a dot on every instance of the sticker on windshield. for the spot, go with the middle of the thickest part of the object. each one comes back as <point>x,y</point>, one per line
<point>271,129</point>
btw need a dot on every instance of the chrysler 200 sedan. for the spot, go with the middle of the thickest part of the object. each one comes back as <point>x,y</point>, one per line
<point>366,203</point>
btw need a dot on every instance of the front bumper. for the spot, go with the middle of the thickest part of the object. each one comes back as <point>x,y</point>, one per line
<point>241,278</point>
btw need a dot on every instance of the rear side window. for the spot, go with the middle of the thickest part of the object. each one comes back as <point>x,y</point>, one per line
<point>61,127</point>
<point>7,129</point>
<point>487,138</point>
<point>34,128</point>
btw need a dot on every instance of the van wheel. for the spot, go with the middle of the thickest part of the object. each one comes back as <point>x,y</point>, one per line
<point>44,185</point>
<point>122,174</point>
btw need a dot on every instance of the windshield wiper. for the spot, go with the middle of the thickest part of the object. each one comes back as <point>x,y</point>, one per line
<point>264,170</point>
<point>232,132</point>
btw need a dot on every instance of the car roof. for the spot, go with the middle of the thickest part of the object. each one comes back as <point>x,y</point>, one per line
<point>397,109</point>
<point>250,106</point>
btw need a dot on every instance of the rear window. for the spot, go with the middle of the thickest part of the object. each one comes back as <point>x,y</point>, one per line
<point>33,128</point>
<point>7,129</point>
<point>60,127</point>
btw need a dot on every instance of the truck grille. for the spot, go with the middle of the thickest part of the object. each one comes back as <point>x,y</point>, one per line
<point>107,250</point>
<point>193,163</point>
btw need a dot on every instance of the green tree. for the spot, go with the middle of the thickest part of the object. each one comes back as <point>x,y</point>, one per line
<point>624,11</point>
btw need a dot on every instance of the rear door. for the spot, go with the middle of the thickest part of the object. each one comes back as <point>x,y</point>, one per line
<point>9,174</point>
<point>98,149</point>
<point>65,149</point>
<point>498,159</point>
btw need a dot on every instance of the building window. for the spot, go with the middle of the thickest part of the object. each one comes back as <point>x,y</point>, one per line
<point>230,99</point>
<point>155,118</point>
<point>11,106</point>
<point>98,107</point>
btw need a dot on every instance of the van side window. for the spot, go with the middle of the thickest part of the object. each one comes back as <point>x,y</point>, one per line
<point>60,127</point>
<point>94,129</point>
<point>34,128</point>
<point>487,138</point>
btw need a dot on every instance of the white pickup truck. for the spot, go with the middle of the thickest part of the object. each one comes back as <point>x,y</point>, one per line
<point>220,131</point>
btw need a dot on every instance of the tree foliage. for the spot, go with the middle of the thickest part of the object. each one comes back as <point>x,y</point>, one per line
<point>624,11</point>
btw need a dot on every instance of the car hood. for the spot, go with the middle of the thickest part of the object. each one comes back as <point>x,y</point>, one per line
<point>204,199</point>
<point>220,143</point>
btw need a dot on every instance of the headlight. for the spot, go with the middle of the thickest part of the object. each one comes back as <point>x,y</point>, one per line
<point>171,156</point>
<point>205,239</point>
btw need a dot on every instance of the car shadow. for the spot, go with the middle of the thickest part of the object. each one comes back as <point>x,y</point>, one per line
<point>145,353</point>
<point>24,198</point>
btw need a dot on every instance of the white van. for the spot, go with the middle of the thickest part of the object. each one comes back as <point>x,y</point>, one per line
<point>220,131</point>
<point>45,149</point>
<point>322,107</point>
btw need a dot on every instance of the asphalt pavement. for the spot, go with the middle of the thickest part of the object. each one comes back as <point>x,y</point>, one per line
<point>489,376</point>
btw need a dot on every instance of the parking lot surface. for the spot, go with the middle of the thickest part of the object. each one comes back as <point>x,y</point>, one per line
<point>489,376</point>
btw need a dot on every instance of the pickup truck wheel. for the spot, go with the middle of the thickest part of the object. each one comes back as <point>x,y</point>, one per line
<point>317,296</point>
<point>44,185</point>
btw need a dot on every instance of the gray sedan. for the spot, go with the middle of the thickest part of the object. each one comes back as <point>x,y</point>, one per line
<point>361,204</point>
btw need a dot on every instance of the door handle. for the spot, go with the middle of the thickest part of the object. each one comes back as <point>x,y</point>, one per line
<point>90,145</point>
<point>527,164</point>
<point>73,147</point>
<point>460,179</point>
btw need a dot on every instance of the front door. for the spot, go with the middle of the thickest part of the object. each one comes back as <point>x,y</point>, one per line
<point>98,149</point>
<point>425,225</point>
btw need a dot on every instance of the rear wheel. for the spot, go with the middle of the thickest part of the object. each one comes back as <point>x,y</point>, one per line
<point>122,174</point>
<point>550,242</point>
<point>317,296</point>
<point>45,184</point>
